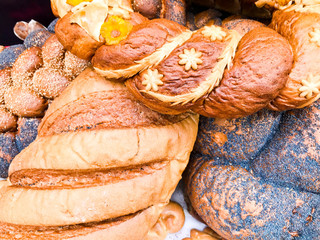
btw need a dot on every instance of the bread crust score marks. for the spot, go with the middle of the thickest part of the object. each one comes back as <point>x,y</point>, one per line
<point>84,189</point>
<point>193,58</point>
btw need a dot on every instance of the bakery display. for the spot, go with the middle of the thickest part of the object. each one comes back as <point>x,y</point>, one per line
<point>100,113</point>
<point>164,56</point>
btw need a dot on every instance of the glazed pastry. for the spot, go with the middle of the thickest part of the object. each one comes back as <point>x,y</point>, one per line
<point>214,85</point>
<point>96,160</point>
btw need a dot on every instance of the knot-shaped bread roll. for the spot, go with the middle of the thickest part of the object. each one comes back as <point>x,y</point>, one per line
<point>100,158</point>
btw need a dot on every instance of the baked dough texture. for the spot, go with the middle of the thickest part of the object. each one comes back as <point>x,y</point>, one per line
<point>258,177</point>
<point>101,158</point>
<point>36,76</point>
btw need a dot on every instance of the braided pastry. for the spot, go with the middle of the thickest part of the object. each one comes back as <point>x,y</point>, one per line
<point>173,70</point>
<point>95,165</point>
<point>212,71</point>
<point>258,177</point>
<point>302,87</point>
<point>35,77</point>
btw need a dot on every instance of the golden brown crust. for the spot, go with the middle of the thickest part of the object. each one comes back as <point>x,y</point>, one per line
<point>241,25</point>
<point>171,220</point>
<point>96,165</point>
<point>66,179</point>
<point>7,120</point>
<point>137,224</point>
<point>252,82</point>
<point>53,53</point>
<point>25,65</point>
<point>5,82</point>
<point>49,82</point>
<point>24,102</point>
<point>176,80</point>
<point>196,76</point>
<point>73,65</point>
<point>37,75</point>
<point>143,40</point>
<point>75,39</point>
<point>298,28</point>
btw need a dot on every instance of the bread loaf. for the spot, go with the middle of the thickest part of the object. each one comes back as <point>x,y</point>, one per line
<point>100,156</point>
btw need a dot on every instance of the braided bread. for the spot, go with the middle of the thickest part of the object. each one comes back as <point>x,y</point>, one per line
<point>95,161</point>
<point>37,75</point>
<point>214,71</point>
<point>258,177</point>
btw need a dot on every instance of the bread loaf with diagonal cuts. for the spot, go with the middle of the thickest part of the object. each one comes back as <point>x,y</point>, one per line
<point>100,157</point>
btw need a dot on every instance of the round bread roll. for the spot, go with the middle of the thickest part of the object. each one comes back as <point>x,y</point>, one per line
<point>99,156</point>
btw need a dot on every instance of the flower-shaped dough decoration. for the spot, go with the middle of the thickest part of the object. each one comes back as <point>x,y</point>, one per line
<point>190,59</point>
<point>214,32</point>
<point>315,36</point>
<point>152,79</point>
<point>310,85</point>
